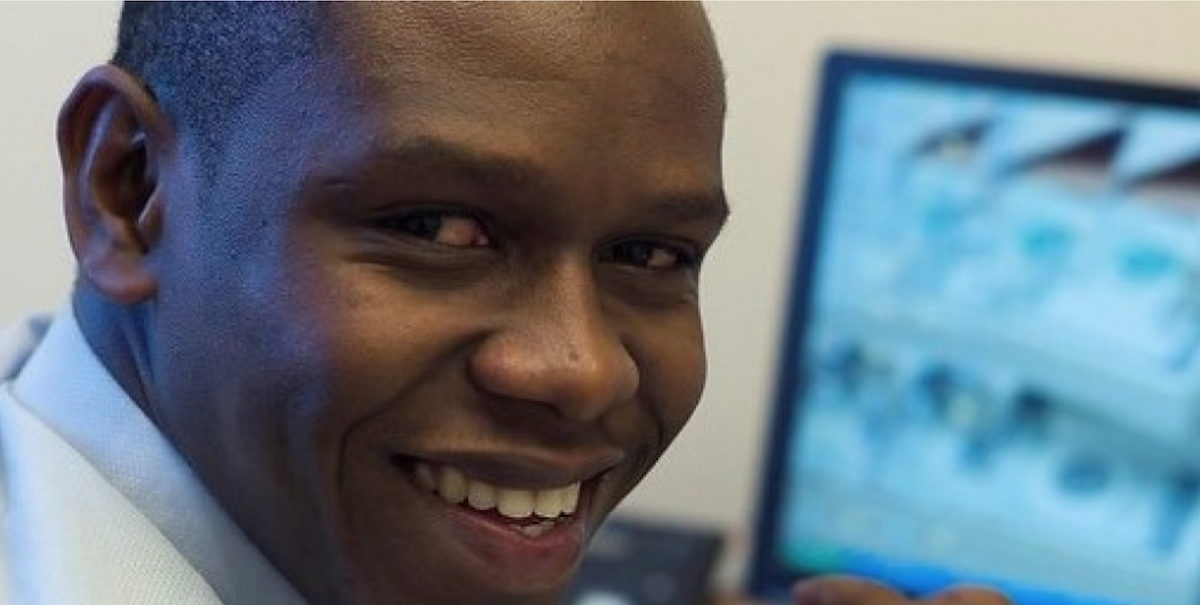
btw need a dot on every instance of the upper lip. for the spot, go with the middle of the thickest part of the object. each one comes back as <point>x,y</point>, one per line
<point>526,470</point>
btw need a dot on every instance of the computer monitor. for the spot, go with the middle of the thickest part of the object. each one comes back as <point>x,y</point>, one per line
<point>990,370</point>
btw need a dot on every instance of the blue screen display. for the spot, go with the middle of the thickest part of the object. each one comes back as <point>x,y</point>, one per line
<point>1001,347</point>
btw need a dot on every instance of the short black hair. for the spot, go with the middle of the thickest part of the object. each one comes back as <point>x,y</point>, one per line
<point>200,59</point>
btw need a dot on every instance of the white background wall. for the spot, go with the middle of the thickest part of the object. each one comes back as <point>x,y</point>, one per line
<point>771,53</point>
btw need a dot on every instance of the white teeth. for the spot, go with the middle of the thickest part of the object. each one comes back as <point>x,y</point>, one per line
<point>534,530</point>
<point>425,477</point>
<point>453,486</point>
<point>456,488</point>
<point>548,503</point>
<point>570,498</point>
<point>515,503</point>
<point>480,495</point>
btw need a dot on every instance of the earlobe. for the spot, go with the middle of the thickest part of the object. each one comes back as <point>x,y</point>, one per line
<point>111,136</point>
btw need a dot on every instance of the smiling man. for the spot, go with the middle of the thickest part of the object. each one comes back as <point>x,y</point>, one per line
<point>377,303</point>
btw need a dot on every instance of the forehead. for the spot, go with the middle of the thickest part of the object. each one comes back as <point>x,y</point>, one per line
<point>647,45</point>
<point>577,93</point>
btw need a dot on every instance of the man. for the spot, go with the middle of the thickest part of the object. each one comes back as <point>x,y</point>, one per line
<point>377,303</point>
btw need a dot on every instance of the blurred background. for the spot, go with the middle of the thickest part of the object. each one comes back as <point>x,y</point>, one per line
<point>772,52</point>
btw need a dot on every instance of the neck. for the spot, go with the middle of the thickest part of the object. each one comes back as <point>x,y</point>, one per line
<point>117,334</point>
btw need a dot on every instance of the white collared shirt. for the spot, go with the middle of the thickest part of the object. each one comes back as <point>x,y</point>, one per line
<point>152,533</point>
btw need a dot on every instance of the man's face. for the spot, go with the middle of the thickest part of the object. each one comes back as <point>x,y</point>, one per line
<point>438,312</point>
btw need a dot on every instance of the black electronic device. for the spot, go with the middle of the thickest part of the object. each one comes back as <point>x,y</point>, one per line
<point>991,366</point>
<point>638,561</point>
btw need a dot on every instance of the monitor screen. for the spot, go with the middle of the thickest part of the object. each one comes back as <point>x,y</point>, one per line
<point>991,370</point>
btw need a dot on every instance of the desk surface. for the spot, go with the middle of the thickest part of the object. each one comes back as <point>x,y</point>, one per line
<point>733,599</point>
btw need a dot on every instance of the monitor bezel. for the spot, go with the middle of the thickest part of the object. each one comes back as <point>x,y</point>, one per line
<point>765,576</point>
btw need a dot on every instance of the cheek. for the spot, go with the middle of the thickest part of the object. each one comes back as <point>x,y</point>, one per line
<point>337,358</point>
<point>278,361</point>
<point>673,371</point>
<point>378,349</point>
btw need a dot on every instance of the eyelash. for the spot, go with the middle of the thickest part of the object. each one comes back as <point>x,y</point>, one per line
<point>428,225</point>
<point>642,253</point>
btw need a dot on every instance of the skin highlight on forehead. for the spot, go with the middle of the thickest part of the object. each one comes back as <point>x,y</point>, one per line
<point>541,41</point>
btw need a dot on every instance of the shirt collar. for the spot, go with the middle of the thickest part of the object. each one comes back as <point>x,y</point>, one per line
<point>65,384</point>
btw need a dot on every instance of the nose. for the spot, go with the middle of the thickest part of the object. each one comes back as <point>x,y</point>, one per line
<point>556,346</point>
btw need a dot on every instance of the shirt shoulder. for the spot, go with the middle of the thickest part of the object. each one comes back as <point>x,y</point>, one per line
<point>18,341</point>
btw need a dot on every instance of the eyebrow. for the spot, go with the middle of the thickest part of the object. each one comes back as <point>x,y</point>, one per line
<point>480,167</point>
<point>493,170</point>
<point>692,208</point>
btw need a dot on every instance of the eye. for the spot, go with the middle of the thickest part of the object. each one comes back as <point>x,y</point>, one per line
<point>653,256</point>
<point>441,227</point>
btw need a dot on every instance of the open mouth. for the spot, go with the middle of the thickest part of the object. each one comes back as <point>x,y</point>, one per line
<point>532,512</point>
<point>516,525</point>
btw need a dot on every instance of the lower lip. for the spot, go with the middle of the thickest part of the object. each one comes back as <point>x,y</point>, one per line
<point>510,555</point>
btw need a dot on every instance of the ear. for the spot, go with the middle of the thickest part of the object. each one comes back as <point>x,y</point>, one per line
<point>111,140</point>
